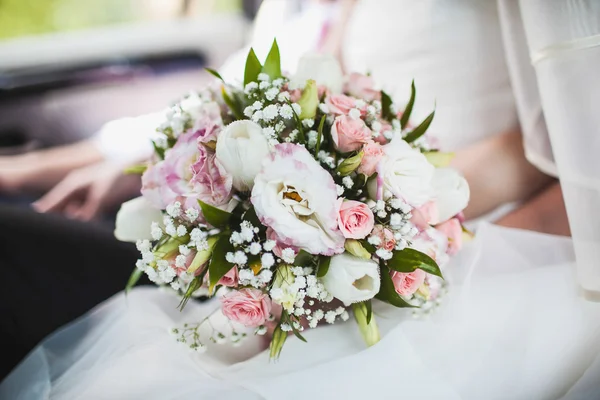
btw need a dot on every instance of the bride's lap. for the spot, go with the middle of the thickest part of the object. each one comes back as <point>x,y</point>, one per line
<point>509,328</point>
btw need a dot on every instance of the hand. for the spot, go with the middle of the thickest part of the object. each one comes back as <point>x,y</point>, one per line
<point>87,192</point>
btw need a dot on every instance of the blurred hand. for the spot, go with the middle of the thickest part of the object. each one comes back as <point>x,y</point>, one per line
<point>87,192</point>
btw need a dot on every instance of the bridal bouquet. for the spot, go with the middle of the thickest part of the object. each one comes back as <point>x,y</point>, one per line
<point>297,199</point>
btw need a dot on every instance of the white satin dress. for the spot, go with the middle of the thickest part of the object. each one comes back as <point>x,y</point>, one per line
<point>512,326</point>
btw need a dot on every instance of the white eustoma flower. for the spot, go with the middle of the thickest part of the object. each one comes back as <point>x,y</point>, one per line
<point>241,148</point>
<point>352,279</point>
<point>451,192</point>
<point>404,173</point>
<point>323,68</point>
<point>134,220</point>
<point>297,198</point>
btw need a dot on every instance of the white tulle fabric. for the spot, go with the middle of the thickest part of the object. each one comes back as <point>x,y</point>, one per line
<point>511,327</point>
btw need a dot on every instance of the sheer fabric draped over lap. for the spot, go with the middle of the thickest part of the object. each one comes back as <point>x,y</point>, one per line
<point>512,327</point>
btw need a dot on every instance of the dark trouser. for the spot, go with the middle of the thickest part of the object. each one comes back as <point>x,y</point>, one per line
<point>52,270</point>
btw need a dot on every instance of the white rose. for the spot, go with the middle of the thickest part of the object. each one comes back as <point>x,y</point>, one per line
<point>451,192</point>
<point>241,148</point>
<point>297,198</point>
<point>134,219</point>
<point>323,68</point>
<point>404,173</point>
<point>351,279</point>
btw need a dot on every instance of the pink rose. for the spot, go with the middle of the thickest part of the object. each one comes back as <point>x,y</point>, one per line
<point>425,216</point>
<point>362,86</point>
<point>230,279</point>
<point>340,104</point>
<point>386,236</point>
<point>408,284</point>
<point>453,230</point>
<point>355,219</point>
<point>349,134</point>
<point>249,307</point>
<point>373,152</point>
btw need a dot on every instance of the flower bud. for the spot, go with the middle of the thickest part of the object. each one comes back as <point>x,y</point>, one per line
<point>309,101</point>
<point>354,247</point>
<point>349,165</point>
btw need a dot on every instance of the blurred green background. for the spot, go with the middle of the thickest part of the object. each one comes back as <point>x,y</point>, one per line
<point>33,17</point>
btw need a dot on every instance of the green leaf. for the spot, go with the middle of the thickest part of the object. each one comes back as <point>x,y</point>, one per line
<point>408,260</point>
<point>232,104</point>
<point>324,262</point>
<point>421,129</point>
<point>133,279</point>
<point>297,333</point>
<point>320,134</point>
<point>409,107</point>
<point>160,152</point>
<point>137,169</point>
<point>252,69</point>
<point>272,65</point>
<point>277,342</point>
<point>303,258</point>
<point>369,307</point>
<point>387,292</point>
<point>219,265</point>
<point>285,318</point>
<point>250,216</point>
<point>386,104</point>
<point>301,136</point>
<point>194,285</point>
<point>214,216</point>
<point>368,246</point>
<point>214,73</point>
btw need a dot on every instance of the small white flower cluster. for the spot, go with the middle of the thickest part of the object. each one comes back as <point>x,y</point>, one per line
<point>326,158</point>
<point>246,242</point>
<point>158,271</point>
<point>297,296</point>
<point>399,214</point>
<point>271,108</point>
<point>190,335</point>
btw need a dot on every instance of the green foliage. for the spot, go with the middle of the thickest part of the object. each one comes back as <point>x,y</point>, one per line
<point>387,292</point>
<point>320,134</point>
<point>160,152</point>
<point>133,279</point>
<point>253,68</point>
<point>215,216</point>
<point>272,65</point>
<point>277,342</point>
<point>219,265</point>
<point>386,105</point>
<point>421,129</point>
<point>194,285</point>
<point>324,262</point>
<point>408,260</point>
<point>214,73</point>
<point>137,169</point>
<point>409,107</point>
